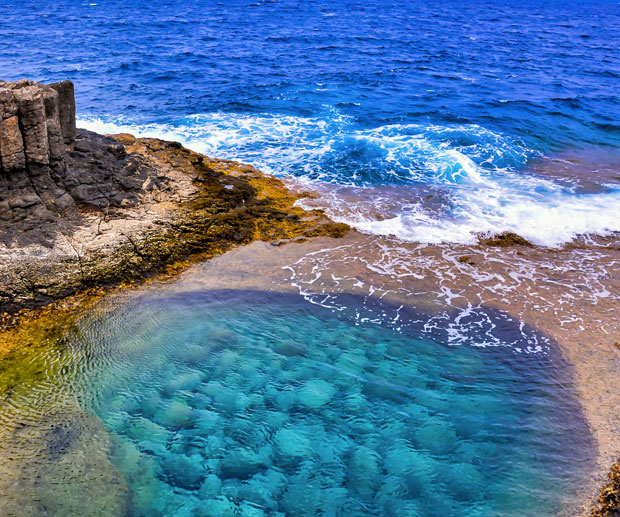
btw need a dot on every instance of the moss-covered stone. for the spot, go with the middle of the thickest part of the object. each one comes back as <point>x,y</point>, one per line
<point>507,239</point>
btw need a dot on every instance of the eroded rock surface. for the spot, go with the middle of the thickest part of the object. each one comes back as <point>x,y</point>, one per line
<point>37,127</point>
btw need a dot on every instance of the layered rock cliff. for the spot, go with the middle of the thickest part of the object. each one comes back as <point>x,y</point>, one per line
<point>37,126</point>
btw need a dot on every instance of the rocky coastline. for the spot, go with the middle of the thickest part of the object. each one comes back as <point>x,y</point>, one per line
<point>80,210</point>
<point>81,213</point>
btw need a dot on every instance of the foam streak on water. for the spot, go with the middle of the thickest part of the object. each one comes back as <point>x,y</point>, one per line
<point>455,283</point>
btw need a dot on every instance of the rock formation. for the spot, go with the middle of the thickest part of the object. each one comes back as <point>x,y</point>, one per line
<point>81,210</point>
<point>37,126</point>
<point>49,169</point>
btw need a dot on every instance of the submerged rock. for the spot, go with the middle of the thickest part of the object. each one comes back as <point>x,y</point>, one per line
<point>248,510</point>
<point>243,463</point>
<point>436,435</point>
<point>258,491</point>
<point>290,348</point>
<point>363,471</point>
<point>211,487</point>
<point>207,421</point>
<point>292,445</point>
<point>184,382</point>
<point>224,396</point>
<point>177,415</point>
<point>182,472</point>
<point>403,508</point>
<point>315,393</point>
<point>194,354</point>
<point>284,399</point>
<point>393,487</point>
<point>463,480</point>
<point>301,499</point>
<point>352,362</point>
<point>143,430</point>
<point>416,469</point>
<point>63,464</point>
<point>220,507</point>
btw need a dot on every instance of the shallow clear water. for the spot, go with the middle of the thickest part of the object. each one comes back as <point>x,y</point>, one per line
<point>261,403</point>
<point>465,98</point>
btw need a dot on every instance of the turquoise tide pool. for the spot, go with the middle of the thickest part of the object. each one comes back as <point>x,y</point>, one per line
<point>254,403</point>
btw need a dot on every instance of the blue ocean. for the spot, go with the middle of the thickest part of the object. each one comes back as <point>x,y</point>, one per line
<point>406,371</point>
<point>492,116</point>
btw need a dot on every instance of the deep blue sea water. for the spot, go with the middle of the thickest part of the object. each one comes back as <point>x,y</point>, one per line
<point>459,99</point>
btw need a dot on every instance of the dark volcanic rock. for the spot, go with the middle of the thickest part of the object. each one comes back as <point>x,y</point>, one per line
<point>47,167</point>
<point>66,100</point>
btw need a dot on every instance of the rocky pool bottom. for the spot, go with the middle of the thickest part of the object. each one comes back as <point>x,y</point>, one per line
<point>248,402</point>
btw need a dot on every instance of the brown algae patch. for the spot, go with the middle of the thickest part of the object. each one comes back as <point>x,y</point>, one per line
<point>609,498</point>
<point>32,328</point>
<point>506,239</point>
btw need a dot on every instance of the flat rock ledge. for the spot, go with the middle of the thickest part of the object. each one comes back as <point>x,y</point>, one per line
<point>80,210</point>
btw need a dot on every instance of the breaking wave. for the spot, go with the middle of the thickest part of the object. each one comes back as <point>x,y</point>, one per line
<point>454,182</point>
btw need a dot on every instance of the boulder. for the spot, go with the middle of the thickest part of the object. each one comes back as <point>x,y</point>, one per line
<point>292,446</point>
<point>316,393</point>
<point>178,415</point>
<point>210,487</point>
<point>182,472</point>
<point>244,463</point>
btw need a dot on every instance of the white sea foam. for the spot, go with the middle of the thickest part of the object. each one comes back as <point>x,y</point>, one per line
<point>547,220</point>
<point>477,174</point>
<point>277,144</point>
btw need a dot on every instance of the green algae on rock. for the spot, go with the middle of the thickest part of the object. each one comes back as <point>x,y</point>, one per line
<point>507,239</point>
<point>46,435</point>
